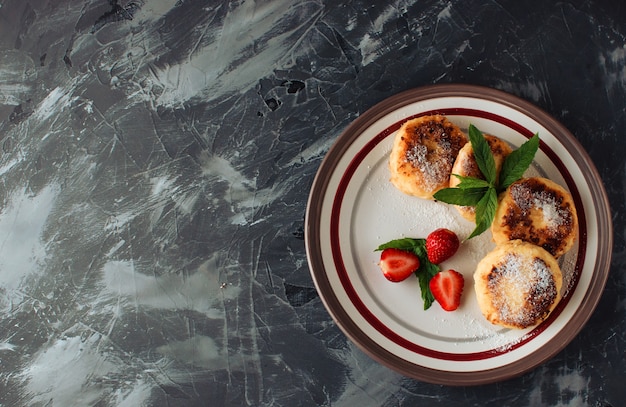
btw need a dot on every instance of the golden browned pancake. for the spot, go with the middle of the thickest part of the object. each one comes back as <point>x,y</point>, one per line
<point>423,153</point>
<point>539,211</point>
<point>465,165</point>
<point>517,284</point>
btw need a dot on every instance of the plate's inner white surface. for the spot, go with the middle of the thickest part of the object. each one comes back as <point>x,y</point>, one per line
<point>379,213</point>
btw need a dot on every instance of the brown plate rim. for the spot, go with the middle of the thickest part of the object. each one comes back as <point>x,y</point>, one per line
<point>372,348</point>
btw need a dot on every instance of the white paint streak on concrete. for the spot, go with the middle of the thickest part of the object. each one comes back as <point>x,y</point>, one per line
<point>200,291</point>
<point>200,351</point>
<point>254,40</point>
<point>21,226</point>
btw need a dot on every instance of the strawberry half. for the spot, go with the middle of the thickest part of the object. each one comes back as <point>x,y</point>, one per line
<point>398,265</point>
<point>447,287</point>
<point>441,244</point>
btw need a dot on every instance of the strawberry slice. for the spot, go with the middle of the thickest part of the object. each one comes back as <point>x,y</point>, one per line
<point>447,287</point>
<point>398,265</point>
<point>441,244</point>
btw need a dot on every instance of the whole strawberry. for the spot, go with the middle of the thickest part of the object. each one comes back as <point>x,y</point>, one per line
<point>441,244</point>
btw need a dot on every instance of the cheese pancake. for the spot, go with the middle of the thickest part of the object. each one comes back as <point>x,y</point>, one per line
<point>539,211</point>
<point>517,284</point>
<point>423,154</point>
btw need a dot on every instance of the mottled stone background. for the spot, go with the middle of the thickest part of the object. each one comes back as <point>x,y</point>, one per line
<point>155,167</point>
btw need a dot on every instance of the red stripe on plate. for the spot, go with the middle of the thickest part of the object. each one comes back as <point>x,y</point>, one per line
<point>373,319</point>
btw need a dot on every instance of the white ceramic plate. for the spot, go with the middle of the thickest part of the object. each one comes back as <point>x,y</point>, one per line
<point>353,208</point>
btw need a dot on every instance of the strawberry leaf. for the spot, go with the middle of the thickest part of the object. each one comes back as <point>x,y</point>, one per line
<point>518,162</point>
<point>483,154</point>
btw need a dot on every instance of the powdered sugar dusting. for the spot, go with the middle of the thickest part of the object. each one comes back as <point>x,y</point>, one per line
<point>545,201</point>
<point>529,286</point>
<point>434,171</point>
<point>489,338</point>
<point>553,214</point>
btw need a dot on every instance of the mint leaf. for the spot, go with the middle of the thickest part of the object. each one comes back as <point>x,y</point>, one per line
<point>483,154</point>
<point>518,162</point>
<point>485,212</point>
<point>471,182</point>
<point>460,196</point>
<point>406,243</point>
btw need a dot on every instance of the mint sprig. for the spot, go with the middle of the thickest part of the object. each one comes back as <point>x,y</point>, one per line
<point>483,193</point>
<point>426,270</point>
